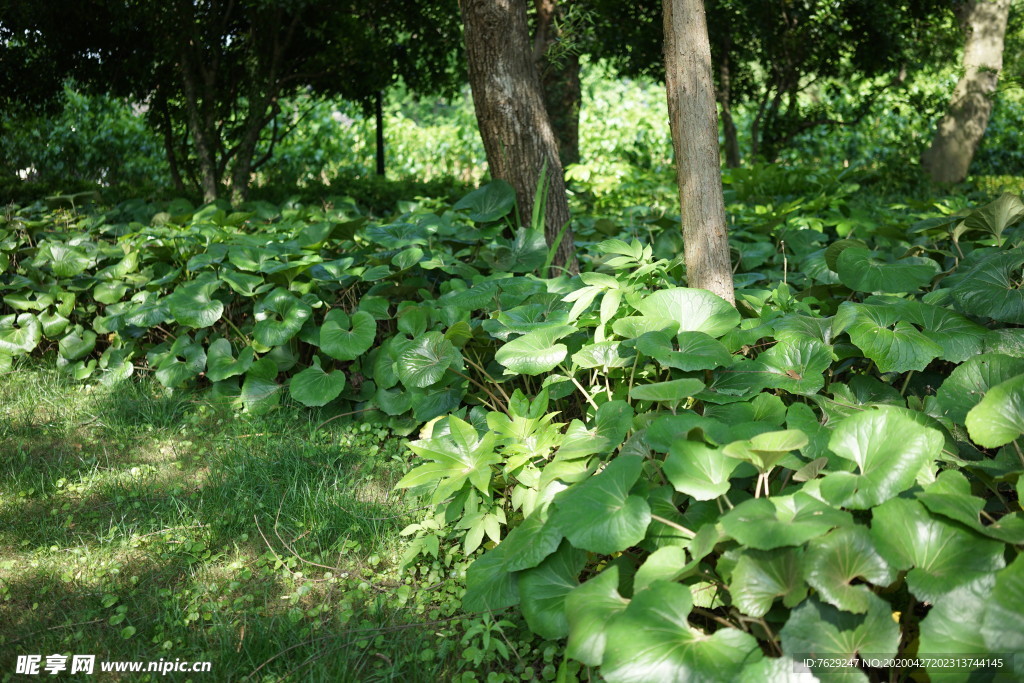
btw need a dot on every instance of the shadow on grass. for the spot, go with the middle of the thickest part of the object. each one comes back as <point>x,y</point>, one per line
<point>202,528</point>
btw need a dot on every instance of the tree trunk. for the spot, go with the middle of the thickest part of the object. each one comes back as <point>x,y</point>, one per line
<point>694,121</point>
<point>960,131</point>
<point>559,80</point>
<point>514,124</point>
<point>200,122</point>
<point>378,112</point>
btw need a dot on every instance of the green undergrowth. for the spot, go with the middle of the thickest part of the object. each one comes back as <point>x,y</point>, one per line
<point>138,525</point>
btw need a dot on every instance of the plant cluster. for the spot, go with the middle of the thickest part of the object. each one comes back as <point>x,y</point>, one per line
<point>679,487</point>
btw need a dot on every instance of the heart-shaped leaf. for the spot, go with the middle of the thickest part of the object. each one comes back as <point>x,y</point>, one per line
<point>991,288</point>
<point>696,310</point>
<point>535,352</point>
<point>345,338</point>
<point>544,588</point>
<point>697,350</point>
<point>698,470</point>
<point>887,465</point>
<point>488,203</point>
<point>768,523</point>
<point>999,418</point>
<point>762,576</point>
<point>941,555</point>
<point>589,609</point>
<point>426,361</point>
<point>191,305</point>
<point>835,561</point>
<point>599,514</point>
<point>894,344</point>
<point>279,317</point>
<point>260,390</point>
<point>185,360</point>
<point>314,387</point>
<point>652,640</point>
<point>969,382</point>
<point>529,543</point>
<point>77,344</point>
<point>221,364</point>
<point>859,270</point>
<point>19,334</point>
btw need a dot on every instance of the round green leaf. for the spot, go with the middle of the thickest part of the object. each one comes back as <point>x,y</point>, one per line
<point>191,305</point>
<point>1003,625</point>
<point>488,203</point>
<point>695,310</point>
<point>535,352</point>
<point>768,523</point>
<point>529,543</point>
<point>77,344</point>
<point>671,391</point>
<point>767,448</point>
<point>19,334</point>
<point>260,391</point>
<point>221,364</point>
<point>313,387</point>
<point>951,627</point>
<point>761,576</point>
<point>488,585</point>
<point>697,350</point>
<point>344,338</point>
<point>599,514</point>
<point>860,271</point>
<point>279,317</point>
<point>589,608</point>
<point>543,589</point>
<point>816,630</point>
<point>835,561</point>
<point>698,470</point>
<point>797,366</point>
<point>889,449</point>
<point>970,381</point>
<point>941,555</point>
<point>185,360</point>
<point>427,360</point>
<point>651,640</point>
<point>999,418</point>
<point>63,260</point>
<point>990,288</point>
<point>893,343</point>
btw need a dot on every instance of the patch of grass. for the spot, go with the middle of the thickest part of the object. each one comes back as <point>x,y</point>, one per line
<point>137,525</point>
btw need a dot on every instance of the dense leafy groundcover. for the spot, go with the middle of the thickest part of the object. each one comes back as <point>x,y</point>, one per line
<point>681,489</point>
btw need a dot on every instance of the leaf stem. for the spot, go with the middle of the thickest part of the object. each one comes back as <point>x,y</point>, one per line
<point>677,527</point>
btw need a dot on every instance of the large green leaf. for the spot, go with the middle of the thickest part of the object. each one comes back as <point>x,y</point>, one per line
<point>63,260</point>
<point>221,364</point>
<point>950,630</point>
<point>1003,625</point>
<point>992,287</point>
<point>315,387</point>
<point>768,523</point>
<point>488,203</point>
<point>77,344</point>
<point>695,310</point>
<point>819,631</point>
<point>766,449</point>
<point>589,609</point>
<point>665,564</point>
<point>535,352</point>
<point>599,514</point>
<point>846,555</point>
<point>797,366</point>
<point>941,555</point>
<point>279,317</point>
<point>999,418</point>
<point>761,576</point>
<point>260,390</point>
<point>698,470</point>
<point>997,215</point>
<point>489,586</point>
<point>652,640</point>
<point>970,381</point>
<point>346,338</point>
<point>426,361</point>
<point>697,351</point>
<point>959,337</point>
<point>534,539</point>
<point>889,449</point>
<point>859,270</point>
<point>459,457</point>
<point>543,590</point>
<point>192,305</point>
<point>185,360</point>
<point>19,334</point>
<point>893,343</point>
<point>609,426</point>
<point>950,496</point>
<point>671,391</point>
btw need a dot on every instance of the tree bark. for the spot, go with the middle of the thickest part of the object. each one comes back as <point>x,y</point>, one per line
<point>378,113</point>
<point>559,80</point>
<point>514,124</point>
<point>960,131</point>
<point>693,117</point>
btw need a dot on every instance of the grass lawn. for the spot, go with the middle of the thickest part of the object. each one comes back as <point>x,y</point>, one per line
<point>136,525</point>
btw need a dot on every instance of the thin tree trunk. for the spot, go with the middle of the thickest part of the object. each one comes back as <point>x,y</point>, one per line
<point>168,135</point>
<point>202,133</point>
<point>513,121</point>
<point>732,142</point>
<point>694,121</point>
<point>960,131</point>
<point>378,112</point>
<point>559,80</point>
